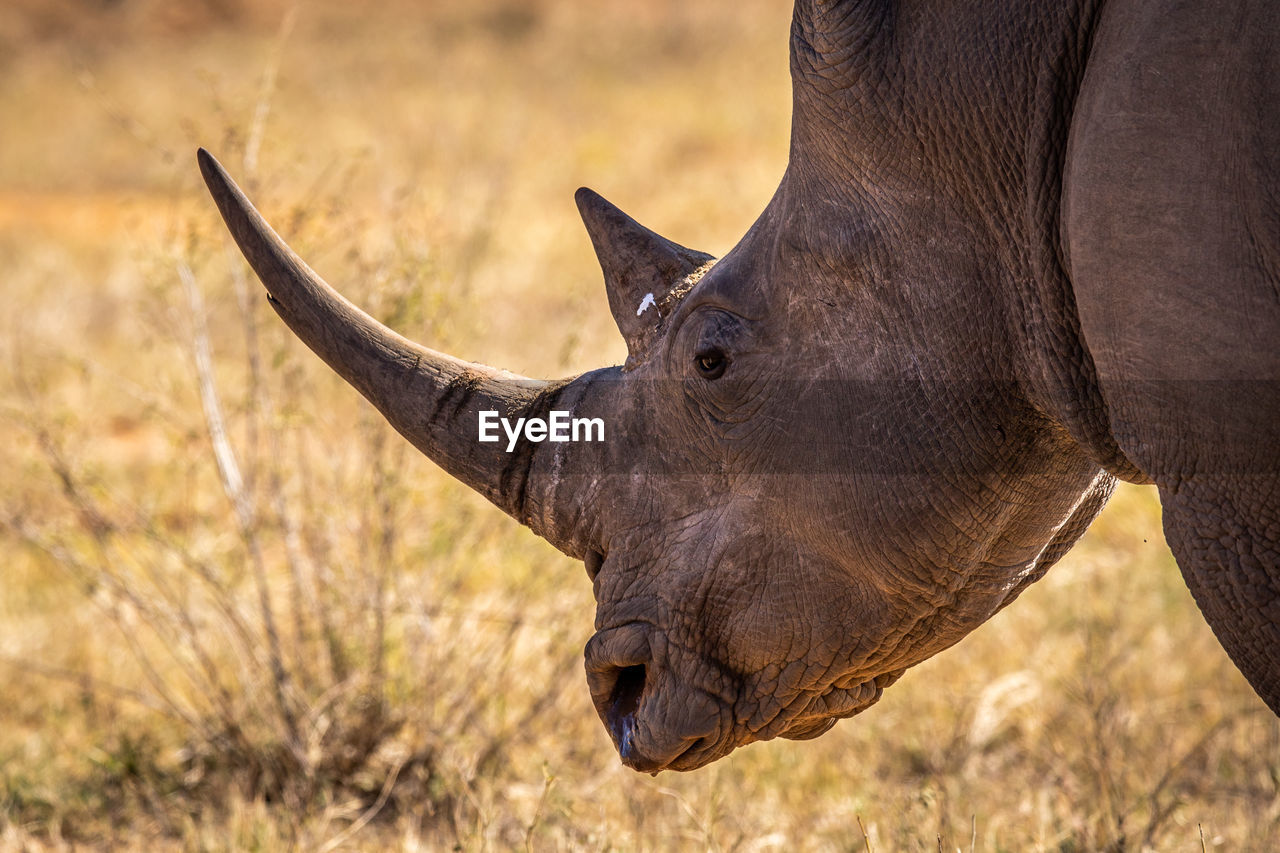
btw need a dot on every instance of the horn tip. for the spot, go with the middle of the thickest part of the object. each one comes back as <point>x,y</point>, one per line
<point>208,163</point>
<point>215,177</point>
<point>599,214</point>
<point>586,197</point>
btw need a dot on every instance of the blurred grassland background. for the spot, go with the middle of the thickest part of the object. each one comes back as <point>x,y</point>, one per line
<point>237,613</point>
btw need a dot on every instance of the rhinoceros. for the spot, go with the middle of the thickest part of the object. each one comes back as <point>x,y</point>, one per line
<point>1020,250</point>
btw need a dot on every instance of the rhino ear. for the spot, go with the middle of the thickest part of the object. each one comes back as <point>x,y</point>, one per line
<point>645,274</point>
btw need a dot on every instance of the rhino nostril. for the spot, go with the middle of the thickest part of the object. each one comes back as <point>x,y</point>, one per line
<point>624,700</point>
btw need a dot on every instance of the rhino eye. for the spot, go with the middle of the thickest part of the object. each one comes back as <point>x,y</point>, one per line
<point>710,365</point>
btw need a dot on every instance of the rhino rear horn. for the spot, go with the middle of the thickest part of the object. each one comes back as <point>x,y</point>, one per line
<point>643,271</point>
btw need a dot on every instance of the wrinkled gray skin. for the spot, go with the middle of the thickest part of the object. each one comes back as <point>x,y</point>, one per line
<point>1020,249</point>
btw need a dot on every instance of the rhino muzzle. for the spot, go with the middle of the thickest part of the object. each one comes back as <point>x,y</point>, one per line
<point>656,720</point>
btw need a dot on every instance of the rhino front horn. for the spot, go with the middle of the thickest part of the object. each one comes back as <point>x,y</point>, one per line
<point>432,399</point>
<point>642,270</point>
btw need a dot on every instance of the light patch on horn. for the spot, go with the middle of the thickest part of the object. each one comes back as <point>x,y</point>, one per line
<point>638,346</point>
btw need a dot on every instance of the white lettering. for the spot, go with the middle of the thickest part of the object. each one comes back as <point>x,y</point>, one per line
<point>488,423</point>
<point>512,434</point>
<point>588,424</point>
<point>557,426</point>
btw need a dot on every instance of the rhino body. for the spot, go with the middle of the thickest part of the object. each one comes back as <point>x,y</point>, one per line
<point>1020,250</point>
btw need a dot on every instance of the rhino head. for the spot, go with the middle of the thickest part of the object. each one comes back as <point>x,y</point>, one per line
<point>823,461</point>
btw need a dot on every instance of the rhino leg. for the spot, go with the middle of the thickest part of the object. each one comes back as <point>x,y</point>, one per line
<point>1171,216</point>
<point>1227,543</point>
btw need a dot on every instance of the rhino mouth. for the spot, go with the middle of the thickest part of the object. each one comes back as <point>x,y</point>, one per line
<point>655,720</point>
<point>623,717</point>
<point>660,718</point>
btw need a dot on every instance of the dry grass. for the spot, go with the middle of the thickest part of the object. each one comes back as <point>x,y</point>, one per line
<point>300,635</point>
